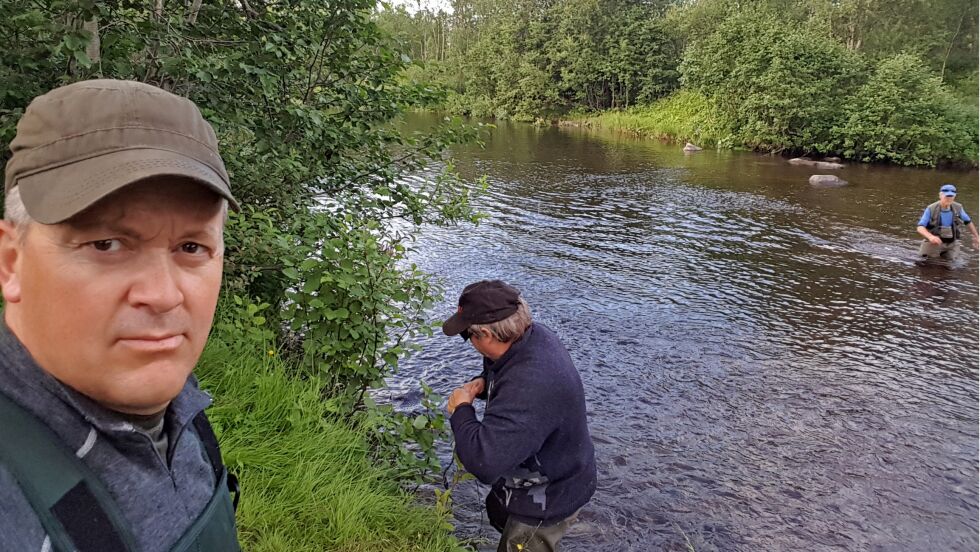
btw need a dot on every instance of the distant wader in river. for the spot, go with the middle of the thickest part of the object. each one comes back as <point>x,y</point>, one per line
<point>940,225</point>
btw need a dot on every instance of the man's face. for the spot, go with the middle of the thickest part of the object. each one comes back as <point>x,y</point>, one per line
<point>945,200</point>
<point>117,302</point>
<point>483,342</point>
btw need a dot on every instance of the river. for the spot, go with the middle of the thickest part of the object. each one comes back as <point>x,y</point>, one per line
<point>765,365</point>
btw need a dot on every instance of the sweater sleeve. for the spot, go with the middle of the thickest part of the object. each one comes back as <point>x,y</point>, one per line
<point>925,218</point>
<point>515,425</point>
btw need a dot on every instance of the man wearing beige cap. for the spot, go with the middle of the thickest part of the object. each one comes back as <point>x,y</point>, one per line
<point>110,267</point>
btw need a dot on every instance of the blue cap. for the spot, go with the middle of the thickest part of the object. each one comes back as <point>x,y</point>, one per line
<point>948,190</point>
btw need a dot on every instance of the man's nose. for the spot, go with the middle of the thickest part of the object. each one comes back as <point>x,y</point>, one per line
<point>157,283</point>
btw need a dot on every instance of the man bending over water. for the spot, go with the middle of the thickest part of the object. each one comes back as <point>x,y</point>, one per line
<point>532,445</point>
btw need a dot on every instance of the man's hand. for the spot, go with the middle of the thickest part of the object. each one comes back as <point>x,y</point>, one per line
<point>461,395</point>
<point>934,240</point>
<point>476,386</point>
<point>976,242</point>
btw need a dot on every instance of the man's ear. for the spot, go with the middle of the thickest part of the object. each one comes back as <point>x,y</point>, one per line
<point>10,254</point>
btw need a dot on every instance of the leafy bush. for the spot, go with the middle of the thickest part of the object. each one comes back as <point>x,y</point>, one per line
<point>407,442</point>
<point>310,482</point>
<point>905,115</point>
<point>776,87</point>
<point>682,116</point>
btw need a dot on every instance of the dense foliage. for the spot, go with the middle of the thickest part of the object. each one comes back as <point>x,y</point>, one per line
<point>310,482</point>
<point>526,58</point>
<point>904,114</point>
<point>775,88</point>
<point>304,96</point>
<point>779,75</point>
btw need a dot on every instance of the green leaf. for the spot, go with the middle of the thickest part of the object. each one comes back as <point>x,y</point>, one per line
<point>82,58</point>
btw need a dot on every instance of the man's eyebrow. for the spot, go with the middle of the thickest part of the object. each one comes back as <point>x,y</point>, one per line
<point>111,227</point>
<point>118,229</point>
<point>206,231</point>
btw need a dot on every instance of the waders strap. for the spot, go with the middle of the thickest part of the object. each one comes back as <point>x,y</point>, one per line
<point>210,442</point>
<point>72,504</point>
<point>213,530</point>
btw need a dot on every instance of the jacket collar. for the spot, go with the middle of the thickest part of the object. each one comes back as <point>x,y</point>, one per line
<point>498,365</point>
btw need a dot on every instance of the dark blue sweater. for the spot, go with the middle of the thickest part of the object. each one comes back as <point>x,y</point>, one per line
<point>533,443</point>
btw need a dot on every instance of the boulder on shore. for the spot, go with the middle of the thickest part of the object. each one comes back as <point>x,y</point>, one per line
<point>832,159</point>
<point>691,147</point>
<point>827,181</point>
<point>818,164</point>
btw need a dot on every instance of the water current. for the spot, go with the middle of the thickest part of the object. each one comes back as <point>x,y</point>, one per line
<point>766,366</point>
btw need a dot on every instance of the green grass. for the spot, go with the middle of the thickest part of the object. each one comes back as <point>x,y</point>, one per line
<point>683,116</point>
<point>307,482</point>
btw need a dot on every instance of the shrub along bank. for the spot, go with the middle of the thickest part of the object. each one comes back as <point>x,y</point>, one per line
<point>307,477</point>
<point>758,85</point>
<point>684,116</point>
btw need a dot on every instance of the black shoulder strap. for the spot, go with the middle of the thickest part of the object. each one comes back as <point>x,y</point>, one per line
<point>72,504</point>
<point>210,442</point>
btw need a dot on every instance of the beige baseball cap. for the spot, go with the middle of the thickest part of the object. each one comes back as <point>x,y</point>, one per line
<point>79,143</point>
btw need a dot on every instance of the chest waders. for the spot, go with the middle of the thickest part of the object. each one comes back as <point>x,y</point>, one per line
<point>946,233</point>
<point>73,505</point>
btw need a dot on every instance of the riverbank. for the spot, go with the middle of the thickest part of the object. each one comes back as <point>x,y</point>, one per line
<point>682,117</point>
<point>687,116</point>
<point>307,479</point>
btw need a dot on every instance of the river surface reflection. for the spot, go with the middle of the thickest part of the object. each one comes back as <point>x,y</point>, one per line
<point>765,365</point>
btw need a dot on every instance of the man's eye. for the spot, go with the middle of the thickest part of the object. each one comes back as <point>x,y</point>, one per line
<point>106,245</point>
<point>192,248</point>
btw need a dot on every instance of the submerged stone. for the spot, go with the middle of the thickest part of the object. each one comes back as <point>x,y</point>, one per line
<point>827,181</point>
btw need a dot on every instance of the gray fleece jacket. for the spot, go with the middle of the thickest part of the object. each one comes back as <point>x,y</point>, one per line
<point>159,497</point>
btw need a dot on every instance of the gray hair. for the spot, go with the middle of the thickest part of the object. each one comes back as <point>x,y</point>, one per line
<point>15,213</point>
<point>510,328</point>
<point>13,209</point>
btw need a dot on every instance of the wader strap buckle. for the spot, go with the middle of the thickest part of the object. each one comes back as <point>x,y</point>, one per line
<point>234,490</point>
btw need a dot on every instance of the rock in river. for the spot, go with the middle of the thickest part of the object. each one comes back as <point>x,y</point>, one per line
<point>827,181</point>
<point>691,147</point>
<point>817,164</point>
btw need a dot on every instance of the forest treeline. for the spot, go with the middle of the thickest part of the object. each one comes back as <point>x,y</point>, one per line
<point>870,80</point>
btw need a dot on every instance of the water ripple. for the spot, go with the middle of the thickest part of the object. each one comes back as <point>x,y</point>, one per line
<point>766,367</point>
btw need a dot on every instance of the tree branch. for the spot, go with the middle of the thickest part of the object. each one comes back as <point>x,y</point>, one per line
<point>195,8</point>
<point>942,73</point>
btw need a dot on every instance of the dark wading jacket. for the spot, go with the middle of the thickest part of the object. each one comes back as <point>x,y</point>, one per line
<point>533,444</point>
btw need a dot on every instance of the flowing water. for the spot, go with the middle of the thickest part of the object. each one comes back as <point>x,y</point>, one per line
<point>765,365</point>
